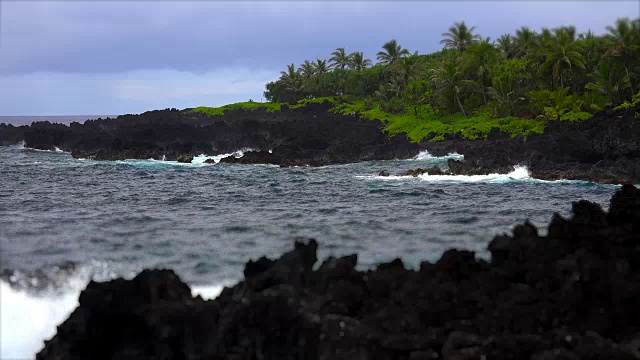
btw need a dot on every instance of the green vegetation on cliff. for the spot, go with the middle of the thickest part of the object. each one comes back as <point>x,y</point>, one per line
<point>554,74</point>
<point>514,84</point>
<point>248,105</point>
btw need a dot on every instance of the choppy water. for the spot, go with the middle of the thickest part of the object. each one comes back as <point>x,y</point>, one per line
<point>64,221</point>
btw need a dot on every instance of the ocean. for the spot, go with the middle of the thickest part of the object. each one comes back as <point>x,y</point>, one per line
<point>64,221</point>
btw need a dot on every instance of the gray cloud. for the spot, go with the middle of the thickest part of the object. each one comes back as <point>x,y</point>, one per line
<point>103,37</point>
<point>73,57</point>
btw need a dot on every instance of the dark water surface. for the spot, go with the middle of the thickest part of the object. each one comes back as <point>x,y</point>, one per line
<point>65,221</point>
<point>206,221</point>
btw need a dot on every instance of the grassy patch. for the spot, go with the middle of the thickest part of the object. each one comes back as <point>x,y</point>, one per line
<point>426,125</point>
<point>249,105</point>
<point>304,102</point>
<point>436,127</point>
<point>574,116</point>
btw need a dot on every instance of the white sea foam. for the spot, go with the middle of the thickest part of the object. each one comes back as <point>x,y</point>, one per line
<point>28,316</point>
<point>426,155</point>
<point>197,161</point>
<point>26,320</point>
<point>519,173</point>
<point>30,312</point>
<point>207,292</point>
<point>22,146</point>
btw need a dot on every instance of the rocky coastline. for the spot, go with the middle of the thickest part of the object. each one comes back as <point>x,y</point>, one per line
<point>604,149</point>
<point>570,294</point>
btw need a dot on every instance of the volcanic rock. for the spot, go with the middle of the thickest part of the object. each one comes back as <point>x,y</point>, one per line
<point>571,294</point>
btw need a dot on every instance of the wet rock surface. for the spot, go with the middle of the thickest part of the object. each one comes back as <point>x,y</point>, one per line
<point>604,149</point>
<point>571,294</point>
<point>310,136</point>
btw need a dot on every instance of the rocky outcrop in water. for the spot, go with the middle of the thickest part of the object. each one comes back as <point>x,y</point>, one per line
<point>572,294</point>
<point>311,135</point>
<point>604,149</point>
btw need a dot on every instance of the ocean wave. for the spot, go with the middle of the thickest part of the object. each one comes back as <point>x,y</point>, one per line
<point>23,146</point>
<point>198,161</point>
<point>33,305</point>
<point>519,173</point>
<point>425,155</point>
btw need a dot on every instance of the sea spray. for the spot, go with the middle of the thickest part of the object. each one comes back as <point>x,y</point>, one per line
<point>426,155</point>
<point>519,174</point>
<point>30,316</point>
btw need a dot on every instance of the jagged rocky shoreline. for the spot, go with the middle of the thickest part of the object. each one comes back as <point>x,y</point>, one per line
<point>572,294</point>
<point>604,149</point>
<point>311,135</point>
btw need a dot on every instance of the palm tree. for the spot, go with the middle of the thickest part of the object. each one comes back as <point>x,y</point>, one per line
<point>290,73</point>
<point>358,62</point>
<point>507,46</point>
<point>320,67</point>
<point>407,69</point>
<point>449,80</point>
<point>392,52</point>
<point>623,42</point>
<point>610,79</point>
<point>307,70</point>
<point>561,53</point>
<point>459,36</point>
<point>525,41</point>
<point>339,59</point>
<point>481,58</point>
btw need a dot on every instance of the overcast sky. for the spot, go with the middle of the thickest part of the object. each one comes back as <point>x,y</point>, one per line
<point>89,57</point>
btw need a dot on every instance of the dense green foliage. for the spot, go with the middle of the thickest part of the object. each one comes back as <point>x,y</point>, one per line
<point>515,83</point>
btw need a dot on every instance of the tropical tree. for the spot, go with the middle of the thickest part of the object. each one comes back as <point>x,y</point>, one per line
<point>339,59</point>
<point>307,70</point>
<point>610,79</point>
<point>525,41</point>
<point>459,36</point>
<point>290,73</point>
<point>320,67</point>
<point>416,95</point>
<point>391,53</point>
<point>507,46</point>
<point>623,42</point>
<point>479,60</point>
<point>561,53</point>
<point>357,61</point>
<point>407,69</point>
<point>449,80</point>
<point>509,82</point>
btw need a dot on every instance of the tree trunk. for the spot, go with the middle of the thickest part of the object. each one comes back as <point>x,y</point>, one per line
<point>484,95</point>
<point>630,83</point>
<point>460,104</point>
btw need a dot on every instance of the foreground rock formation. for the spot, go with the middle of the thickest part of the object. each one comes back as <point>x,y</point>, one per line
<point>570,295</point>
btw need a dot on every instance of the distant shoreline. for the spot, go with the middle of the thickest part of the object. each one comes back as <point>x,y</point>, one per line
<point>62,119</point>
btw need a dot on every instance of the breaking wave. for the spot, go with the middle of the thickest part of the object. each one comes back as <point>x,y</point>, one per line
<point>198,161</point>
<point>519,173</point>
<point>425,155</point>
<point>33,305</point>
<point>23,146</point>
